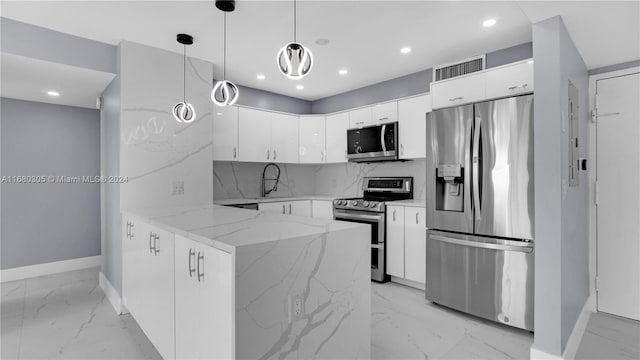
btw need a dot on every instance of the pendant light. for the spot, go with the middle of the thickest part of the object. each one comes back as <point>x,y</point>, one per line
<point>225,92</point>
<point>183,111</point>
<point>294,59</point>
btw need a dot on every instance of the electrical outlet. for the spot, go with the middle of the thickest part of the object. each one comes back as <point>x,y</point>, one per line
<point>177,187</point>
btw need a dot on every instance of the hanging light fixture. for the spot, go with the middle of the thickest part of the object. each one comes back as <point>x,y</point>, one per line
<point>224,92</point>
<point>294,59</point>
<point>183,111</point>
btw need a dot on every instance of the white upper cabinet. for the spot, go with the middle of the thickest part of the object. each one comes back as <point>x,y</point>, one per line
<point>512,79</point>
<point>312,140</point>
<point>284,138</point>
<point>461,90</point>
<point>254,140</point>
<point>360,117</point>
<point>384,113</point>
<point>336,134</point>
<point>225,133</point>
<point>412,126</point>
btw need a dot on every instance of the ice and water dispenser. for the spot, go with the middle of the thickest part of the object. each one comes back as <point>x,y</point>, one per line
<point>450,187</point>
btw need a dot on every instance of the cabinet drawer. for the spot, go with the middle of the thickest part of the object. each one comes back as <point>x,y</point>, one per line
<point>509,80</point>
<point>384,113</point>
<point>458,91</point>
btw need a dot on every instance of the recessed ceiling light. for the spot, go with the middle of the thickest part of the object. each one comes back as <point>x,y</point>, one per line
<point>405,50</point>
<point>260,77</point>
<point>322,41</point>
<point>299,87</point>
<point>489,22</point>
<point>53,93</point>
<point>343,72</point>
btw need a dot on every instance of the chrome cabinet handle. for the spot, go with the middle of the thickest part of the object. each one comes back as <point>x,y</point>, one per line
<point>274,154</point>
<point>359,122</point>
<point>268,153</point>
<point>235,152</point>
<point>192,253</point>
<point>394,215</point>
<point>401,149</point>
<point>457,98</point>
<point>151,236</point>
<point>156,248</point>
<point>289,209</point>
<point>321,155</point>
<point>521,86</point>
<point>200,273</point>
<point>283,209</point>
<point>132,235</point>
<point>384,118</point>
<point>128,234</point>
<point>345,154</point>
<point>416,218</point>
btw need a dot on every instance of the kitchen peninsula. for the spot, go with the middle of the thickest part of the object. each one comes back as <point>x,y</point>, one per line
<point>220,282</point>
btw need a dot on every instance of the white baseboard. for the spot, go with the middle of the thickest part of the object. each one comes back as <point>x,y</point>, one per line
<point>579,328</point>
<point>112,294</point>
<point>537,354</point>
<point>25,272</point>
<point>413,284</point>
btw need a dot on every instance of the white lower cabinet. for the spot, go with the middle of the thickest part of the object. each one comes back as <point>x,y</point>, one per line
<point>322,209</point>
<point>406,243</point>
<point>148,284</point>
<point>203,301</point>
<point>297,208</point>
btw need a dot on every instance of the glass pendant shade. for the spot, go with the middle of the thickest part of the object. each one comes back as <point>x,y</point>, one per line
<point>184,112</point>
<point>225,93</point>
<point>295,60</point>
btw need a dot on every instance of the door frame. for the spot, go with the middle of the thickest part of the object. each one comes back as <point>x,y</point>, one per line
<point>593,171</point>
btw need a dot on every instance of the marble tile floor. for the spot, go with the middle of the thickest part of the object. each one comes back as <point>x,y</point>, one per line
<point>610,337</point>
<point>68,316</point>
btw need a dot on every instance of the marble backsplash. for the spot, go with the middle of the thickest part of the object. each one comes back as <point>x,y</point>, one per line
<point>233,180</point>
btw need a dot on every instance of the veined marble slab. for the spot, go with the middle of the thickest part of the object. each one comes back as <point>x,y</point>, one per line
<point>260,200</point>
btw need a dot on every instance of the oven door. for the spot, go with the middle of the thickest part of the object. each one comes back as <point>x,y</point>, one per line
<point>373,143</point>
<point>377,223</point>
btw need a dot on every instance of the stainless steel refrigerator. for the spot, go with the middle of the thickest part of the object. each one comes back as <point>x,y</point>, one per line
<point>480,214</point>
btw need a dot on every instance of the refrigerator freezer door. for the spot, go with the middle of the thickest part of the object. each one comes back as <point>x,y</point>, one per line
<point>503,186</point>
<point>486,277</point>
<point>448,169</point>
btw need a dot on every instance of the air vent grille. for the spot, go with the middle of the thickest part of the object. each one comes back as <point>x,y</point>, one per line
<point>467,66</point>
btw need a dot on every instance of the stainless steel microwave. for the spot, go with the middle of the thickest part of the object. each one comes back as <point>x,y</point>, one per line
<point>373,143</point>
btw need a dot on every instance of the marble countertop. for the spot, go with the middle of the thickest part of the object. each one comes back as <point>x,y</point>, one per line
<point>277,199</point>
<point>227,228</point>
<point>411,203</point>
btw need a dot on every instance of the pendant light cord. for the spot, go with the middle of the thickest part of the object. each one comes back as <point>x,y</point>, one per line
<point>184,73</point>
<point>224,61</point>
<point>295,35</point>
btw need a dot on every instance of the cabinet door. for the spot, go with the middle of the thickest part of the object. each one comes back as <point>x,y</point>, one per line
<point>215,307</point>
<point>509,80</point>
<point>457,91</point>
<point>284,138</point>
<point>274,207</point>
<point>312,139</point>
<point>395,241</point>
<point>412,126</point>
<point>187,301</point>
<point>161,304</point>
<point>225,133</point>
<point>132,271</point>
<point>360,117</point>
<point>336,134</point>
<point>254,135</point>
<point>415,244</point>
<point>299,208</point>
<point>322,209</point>
<point>137,275</point>
<point>384,113</point>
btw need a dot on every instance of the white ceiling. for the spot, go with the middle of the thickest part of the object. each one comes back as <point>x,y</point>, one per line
<point>29,79</point>
<point>365,36</point>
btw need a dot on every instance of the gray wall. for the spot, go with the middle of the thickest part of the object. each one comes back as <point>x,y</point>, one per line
<point>40,43</point>
<point>49,222</point>
<point>110,193</point>
<point>271,101</point>
<point>562,222</point>
<point>412,84</point>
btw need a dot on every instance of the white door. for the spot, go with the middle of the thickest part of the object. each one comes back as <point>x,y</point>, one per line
<point>274,207</point>
<point>312,140</point>
<point>254,135</point>
<point>395,241</point>
<point>299,208</point>
<point>618,199</point>
<point>412,126</point>
<point>225,133</point>
<point>284,138</point>
<point>187,301</point>
<point>336,135</point>
<point>415,244</point>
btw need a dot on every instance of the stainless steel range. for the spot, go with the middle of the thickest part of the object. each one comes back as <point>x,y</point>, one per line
<point>370,209</point>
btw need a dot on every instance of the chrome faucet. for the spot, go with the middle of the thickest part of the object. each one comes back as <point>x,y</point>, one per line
<point>263,190</point>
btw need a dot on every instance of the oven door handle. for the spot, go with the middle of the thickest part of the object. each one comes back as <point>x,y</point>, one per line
<point>344,216</point>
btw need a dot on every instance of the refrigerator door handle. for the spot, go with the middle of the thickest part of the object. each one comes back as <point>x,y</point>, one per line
<point>483,245</point>
<point>476,168</point>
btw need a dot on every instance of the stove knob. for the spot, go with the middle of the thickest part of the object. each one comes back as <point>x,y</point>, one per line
<point>339,202</point>
<point>365,204</point>
<point>373,204</point>
<point>354,203</point>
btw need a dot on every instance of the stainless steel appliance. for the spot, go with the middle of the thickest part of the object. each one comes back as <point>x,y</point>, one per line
<point>480,214</point>
<point>370,209</point>
<point>373,143</point>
